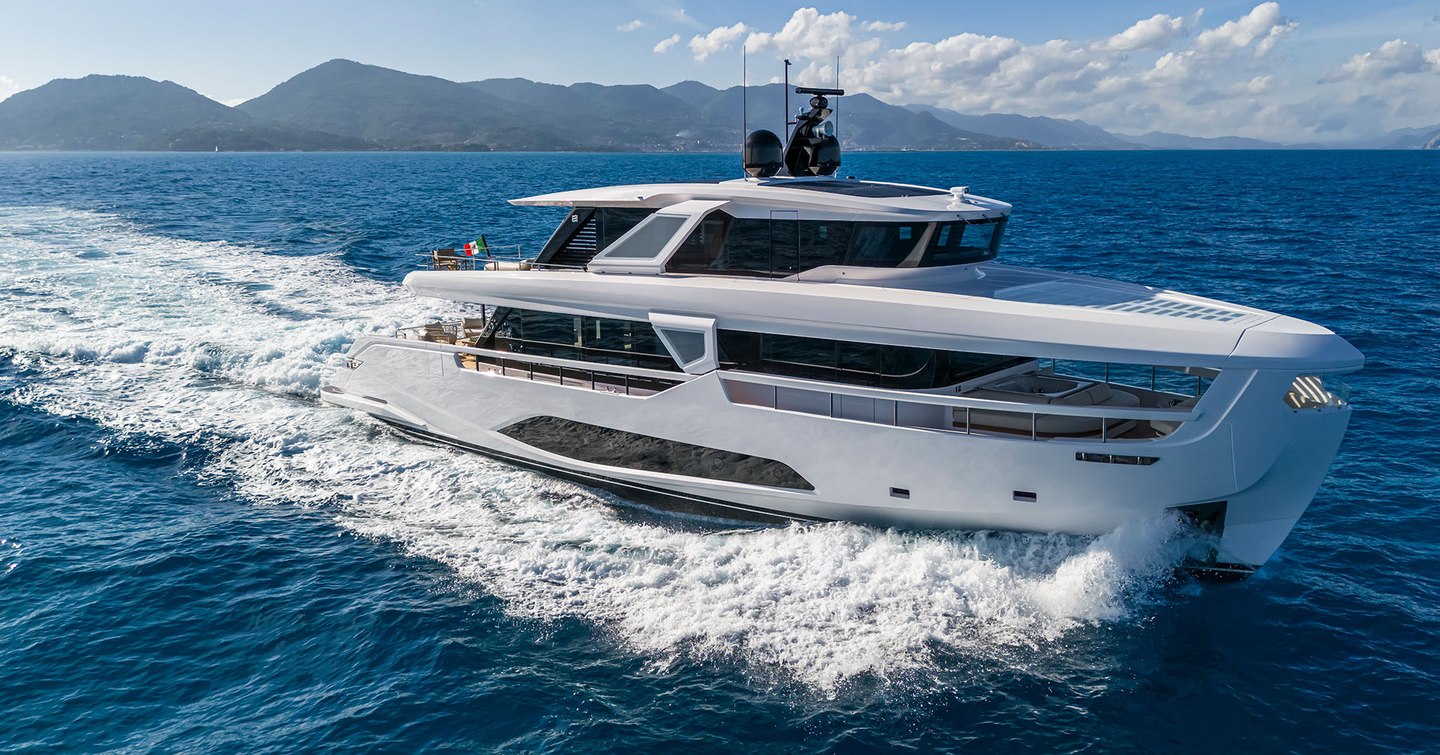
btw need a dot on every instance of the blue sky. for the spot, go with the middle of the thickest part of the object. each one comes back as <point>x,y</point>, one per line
<point>1292,71</point>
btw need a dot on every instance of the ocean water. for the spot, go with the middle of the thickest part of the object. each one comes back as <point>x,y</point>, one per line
<point>195,555</point>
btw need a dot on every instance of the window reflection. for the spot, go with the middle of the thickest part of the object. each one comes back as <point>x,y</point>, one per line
<point>725,245</point>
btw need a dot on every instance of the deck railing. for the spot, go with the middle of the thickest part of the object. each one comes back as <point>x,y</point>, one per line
<point>457,259</point>
<point>609,378</point>
<point>451,332</point>
<point>948,413</point>
<point>510,257</point>
<point>971,416</point>
<point>531,368</point>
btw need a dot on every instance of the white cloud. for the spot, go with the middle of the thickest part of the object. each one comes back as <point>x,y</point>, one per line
<point>1249,89</point>
<point>1258,85</point>
<point>664,45</point>
<point>718,40</point>
<point>235,101</point>
<point>679,16</point>
<point>1393,58</point>
<point>883,25</point>
<point>1263,26</point>
<point>1163,72</point>
<point>7,87</point>
<point>811,34</point>
<point>1150,33</point>
<point>629,26</point>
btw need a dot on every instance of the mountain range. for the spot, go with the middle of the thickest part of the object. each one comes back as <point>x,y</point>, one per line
<point>344,105</point>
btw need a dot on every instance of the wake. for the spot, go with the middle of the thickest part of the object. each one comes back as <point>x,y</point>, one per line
<point>222,347</point>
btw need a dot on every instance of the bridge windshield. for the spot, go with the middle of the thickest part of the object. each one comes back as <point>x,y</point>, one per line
<point>782,246</point>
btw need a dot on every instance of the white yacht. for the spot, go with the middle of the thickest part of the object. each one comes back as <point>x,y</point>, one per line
<point>795,345</point>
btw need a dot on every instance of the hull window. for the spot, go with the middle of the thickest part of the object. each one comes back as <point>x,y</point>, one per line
<point>609,447</point>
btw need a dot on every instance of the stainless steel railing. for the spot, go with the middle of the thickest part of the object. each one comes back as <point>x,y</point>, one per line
<point>971,416</point>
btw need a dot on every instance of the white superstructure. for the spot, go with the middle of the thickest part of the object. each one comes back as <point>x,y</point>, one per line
<point>839,349</point>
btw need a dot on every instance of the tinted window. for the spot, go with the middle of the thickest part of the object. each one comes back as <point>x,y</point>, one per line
<point>586,231</point>
<point>878,365</point>
<point>824,243</point>
<point>780,247</point>
<point>801,357</point>
<point>592,339</point>
<point>616,221</point>
<point>739,348</point>
<point>647,238</point>
<point>959,366</point>
<point>963,242</point>
<point>889,365</point>
<point>702,247</point>
<point>616,448</point>
<point>689,345</point>
<point>550,327</point>
<point>747,247</point>
<point>883,244</point>
<point>784,245</point>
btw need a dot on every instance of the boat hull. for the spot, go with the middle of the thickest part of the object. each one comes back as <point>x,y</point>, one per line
<point>1253,460</point>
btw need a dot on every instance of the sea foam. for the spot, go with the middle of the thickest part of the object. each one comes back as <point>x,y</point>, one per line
<point>222,346</point>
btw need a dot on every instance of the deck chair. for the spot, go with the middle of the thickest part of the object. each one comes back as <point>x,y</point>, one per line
<point>444,259</point>
<point>436,333</point>
<point>472,326</point>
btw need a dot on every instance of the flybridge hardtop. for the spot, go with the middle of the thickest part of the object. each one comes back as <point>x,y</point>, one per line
<point>796,345</point>
<point>825,195</point>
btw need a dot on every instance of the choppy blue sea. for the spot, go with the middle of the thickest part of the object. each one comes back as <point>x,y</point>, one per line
<point>196,556</point>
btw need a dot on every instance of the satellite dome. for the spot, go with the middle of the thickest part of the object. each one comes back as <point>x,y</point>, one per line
<point>764,154</point>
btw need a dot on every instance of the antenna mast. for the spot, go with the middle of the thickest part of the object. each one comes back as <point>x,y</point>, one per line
<point>786,114</point>
<point>837,101</point>
<point>744,100</point>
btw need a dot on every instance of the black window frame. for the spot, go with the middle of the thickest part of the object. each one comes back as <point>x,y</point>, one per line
<point>889,366</point>
<point>607,223</point>
<point>963,255</point>
<point>768,239</point>
<point>640,346</point>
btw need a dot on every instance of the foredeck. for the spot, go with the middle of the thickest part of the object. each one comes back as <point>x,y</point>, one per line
<point>1010,283</point>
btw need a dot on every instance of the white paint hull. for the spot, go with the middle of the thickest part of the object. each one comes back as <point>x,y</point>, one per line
<point>1248,449</point>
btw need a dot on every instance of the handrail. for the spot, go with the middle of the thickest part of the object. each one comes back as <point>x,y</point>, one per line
<point>887,394</point>
<point>449,258</point>
<point>514,356</point>
<point>512,249</point>
<point>459,262</point>
<point>551,347</point>
<point>456,329</point>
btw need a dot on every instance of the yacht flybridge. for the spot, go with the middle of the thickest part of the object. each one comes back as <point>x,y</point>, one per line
<point>796,345</point>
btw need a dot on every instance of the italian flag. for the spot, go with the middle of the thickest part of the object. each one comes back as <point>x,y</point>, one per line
<point>477,245</point>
